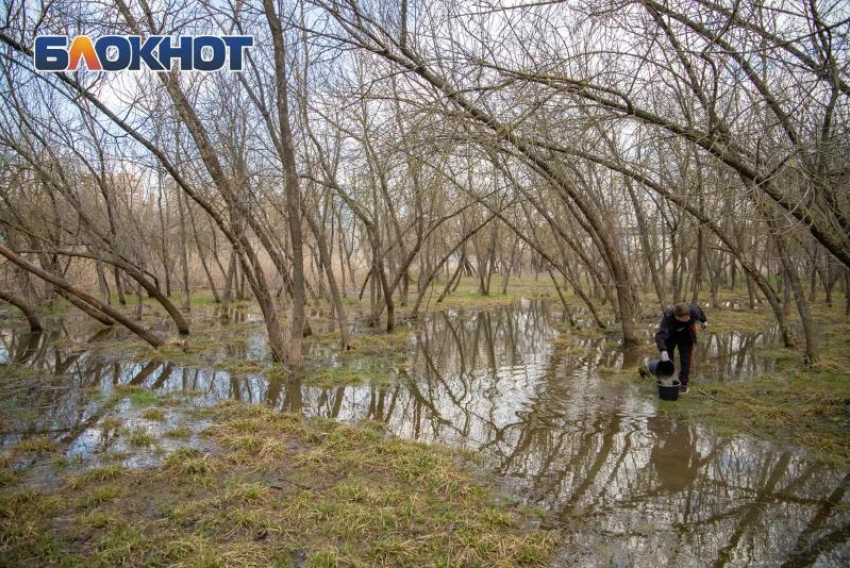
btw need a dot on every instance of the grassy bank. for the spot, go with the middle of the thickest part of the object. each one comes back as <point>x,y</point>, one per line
<point>272,489</point>
<point>807,408</point>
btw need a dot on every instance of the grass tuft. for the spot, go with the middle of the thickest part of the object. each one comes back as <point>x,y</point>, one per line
<point>154,414</point>
<point>139,437</point>
<point>97,476</point>
<point>110,424</point>
<point>180,433</point>
<point>35,445</point>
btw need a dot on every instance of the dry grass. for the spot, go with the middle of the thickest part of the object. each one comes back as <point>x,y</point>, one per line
<point>34,445</point>
<point>154,414</point>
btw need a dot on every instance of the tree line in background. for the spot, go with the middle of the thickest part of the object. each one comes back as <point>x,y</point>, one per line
<point>637,153</point>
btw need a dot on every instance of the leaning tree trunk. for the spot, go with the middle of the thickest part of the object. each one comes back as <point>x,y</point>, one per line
<point>643,232</point>
<point>148,336</point>
<point>204,264</point>
<point>28,311</point>
<point>568,313</point>
<point>456,276</point>
<point>85,308</point>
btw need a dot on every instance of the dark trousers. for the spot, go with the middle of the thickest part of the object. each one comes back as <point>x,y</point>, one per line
<point>686,348</point>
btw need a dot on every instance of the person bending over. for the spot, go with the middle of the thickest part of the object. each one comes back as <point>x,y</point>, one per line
<point>678,328</point>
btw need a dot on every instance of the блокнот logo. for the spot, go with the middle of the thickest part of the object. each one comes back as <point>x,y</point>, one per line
<point>132,52</point>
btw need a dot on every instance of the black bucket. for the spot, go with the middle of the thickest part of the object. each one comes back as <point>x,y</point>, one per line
<point>669,389</point>
<point>662,368</point>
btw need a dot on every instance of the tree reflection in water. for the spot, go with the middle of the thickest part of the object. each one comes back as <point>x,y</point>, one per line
<point>626,487</point>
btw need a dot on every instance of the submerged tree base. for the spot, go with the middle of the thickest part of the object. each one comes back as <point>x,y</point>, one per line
<point>273,489</point>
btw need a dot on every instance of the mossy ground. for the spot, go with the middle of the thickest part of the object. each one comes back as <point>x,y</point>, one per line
<point>277,490</point>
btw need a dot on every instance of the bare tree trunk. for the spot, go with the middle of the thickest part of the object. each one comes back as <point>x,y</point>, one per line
<point>119,288</point>
<point>86,308</point>
<point>228,286</point>
<point>291,185</point>
<point>485,262</point>
<point>151,338</point>
<point>643,230</point>
<point>567,311</point>
<point>102,283</point>
<point>201,254</point>
<point>795,286</point>
<point>339,307</point>
<point>510,266</point>
<point>698,268</point>
<point>28,311</point>
<point>140,303</point>
<point>455,275</point>
<point>846,291</point>
<point>813,278</point>
<point>166,267</point>
<point>184,257</point>
<point>751,296</point>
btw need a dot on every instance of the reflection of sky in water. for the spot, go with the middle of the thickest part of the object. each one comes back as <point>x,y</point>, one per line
<point>5,338</point>
<point>626,486</point>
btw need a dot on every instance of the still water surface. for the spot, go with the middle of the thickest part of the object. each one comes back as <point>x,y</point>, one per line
<point>625,486</point>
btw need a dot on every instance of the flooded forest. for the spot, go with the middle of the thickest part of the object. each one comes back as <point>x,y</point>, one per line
<point>394,283</point>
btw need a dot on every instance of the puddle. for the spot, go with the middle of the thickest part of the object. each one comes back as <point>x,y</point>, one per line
<point>626,487</point>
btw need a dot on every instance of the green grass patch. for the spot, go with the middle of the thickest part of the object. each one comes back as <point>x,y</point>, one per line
<point>57,307</point>
<point>179,433</point>
<point>100,495</point>
<point>96,476</point>
<point>468,294</point>
<point>807,407</point>
<point>137,395</point>
<point>34,445</point>
<point>341,376</point>
<point>154,414</point>
<point>373,343</point>
<point>139,437</point>
<point>726,320</point>
<point>277,485</point>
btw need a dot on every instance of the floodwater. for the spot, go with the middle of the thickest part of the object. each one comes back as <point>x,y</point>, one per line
<point>625,486</point>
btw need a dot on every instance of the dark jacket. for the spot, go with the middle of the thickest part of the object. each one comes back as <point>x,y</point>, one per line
<point>670,326</point>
